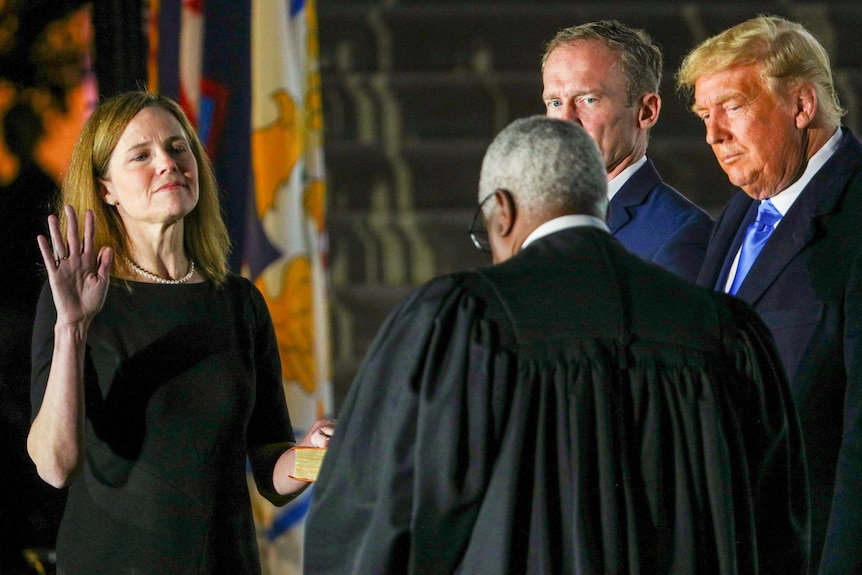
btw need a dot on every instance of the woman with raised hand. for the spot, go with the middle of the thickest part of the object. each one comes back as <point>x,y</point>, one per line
<point>156,373</point>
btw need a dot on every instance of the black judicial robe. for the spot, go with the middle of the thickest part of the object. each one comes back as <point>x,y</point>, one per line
<point>572,410</point>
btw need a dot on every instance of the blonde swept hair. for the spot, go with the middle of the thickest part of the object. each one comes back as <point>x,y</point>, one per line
<point>206,238</point>
<point>786,52</point>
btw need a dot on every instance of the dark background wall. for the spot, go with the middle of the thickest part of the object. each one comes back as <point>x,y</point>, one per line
<point>413,92</point>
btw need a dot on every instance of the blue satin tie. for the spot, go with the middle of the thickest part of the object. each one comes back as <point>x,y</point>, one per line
<point>755,238</point>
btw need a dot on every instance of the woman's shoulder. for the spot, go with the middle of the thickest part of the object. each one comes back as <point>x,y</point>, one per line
<point>235,282</point>
<point>243,290</point>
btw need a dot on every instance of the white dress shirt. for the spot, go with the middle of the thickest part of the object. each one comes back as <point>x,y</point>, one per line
<point>563,222</point>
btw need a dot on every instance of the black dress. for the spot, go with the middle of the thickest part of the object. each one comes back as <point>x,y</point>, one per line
<point>573,410</point>
<point>180,381</point>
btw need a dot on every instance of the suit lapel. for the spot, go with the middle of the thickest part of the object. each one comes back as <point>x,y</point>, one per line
<point>727,236</point>
<point>788,239</point>
<point>633,193</point>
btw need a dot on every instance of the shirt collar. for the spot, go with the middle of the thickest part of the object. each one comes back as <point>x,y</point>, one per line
<point>785,198</point>
<point>623,177</point>
<point>562,223</point>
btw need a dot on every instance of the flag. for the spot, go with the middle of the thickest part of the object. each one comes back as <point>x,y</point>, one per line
<point>285,246</point>
<point>247,74</point>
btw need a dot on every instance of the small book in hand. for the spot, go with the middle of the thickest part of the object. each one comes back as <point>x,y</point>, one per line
<point>308,461</point>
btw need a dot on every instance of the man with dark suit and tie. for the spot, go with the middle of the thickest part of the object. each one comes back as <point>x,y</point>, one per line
<point>605,76</point>
<point>570,409</point>
<point>764,91</point>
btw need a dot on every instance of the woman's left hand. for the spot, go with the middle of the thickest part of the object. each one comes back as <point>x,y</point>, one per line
<point>285,467</point>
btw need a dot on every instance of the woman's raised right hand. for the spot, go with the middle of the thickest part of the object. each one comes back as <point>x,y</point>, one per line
<point>78,277</point>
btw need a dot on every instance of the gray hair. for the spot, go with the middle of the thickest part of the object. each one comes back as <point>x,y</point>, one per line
<point>641,60</point>
<point>550,166</point>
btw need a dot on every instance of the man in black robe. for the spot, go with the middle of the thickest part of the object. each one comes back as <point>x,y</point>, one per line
<point>571,409</point>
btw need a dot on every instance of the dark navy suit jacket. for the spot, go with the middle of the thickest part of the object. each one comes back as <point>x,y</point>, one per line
<point>656,222</point>
<point>807,286</point>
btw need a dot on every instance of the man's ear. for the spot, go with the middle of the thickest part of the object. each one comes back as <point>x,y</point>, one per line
<point>648,110</point>
<point>505,221</point>
<point>806,105</point>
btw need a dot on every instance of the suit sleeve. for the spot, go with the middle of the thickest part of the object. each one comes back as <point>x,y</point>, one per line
<point>683,252</point>
<point>842,552</point>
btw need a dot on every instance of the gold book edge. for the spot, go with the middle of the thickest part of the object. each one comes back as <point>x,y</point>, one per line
<point>308,462</point>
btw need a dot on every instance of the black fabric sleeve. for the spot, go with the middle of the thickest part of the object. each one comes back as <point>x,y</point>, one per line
<point>269,432</point>
<point>413,445</point>
<point>42,350</point>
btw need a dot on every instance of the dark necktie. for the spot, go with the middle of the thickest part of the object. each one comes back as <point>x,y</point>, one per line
<point>755,238</point>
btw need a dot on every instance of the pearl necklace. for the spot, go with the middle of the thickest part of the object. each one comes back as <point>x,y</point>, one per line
<point>161,280</point>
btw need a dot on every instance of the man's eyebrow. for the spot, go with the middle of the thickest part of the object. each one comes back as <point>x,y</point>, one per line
<point>715,101</point>
<point>591,91</point>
